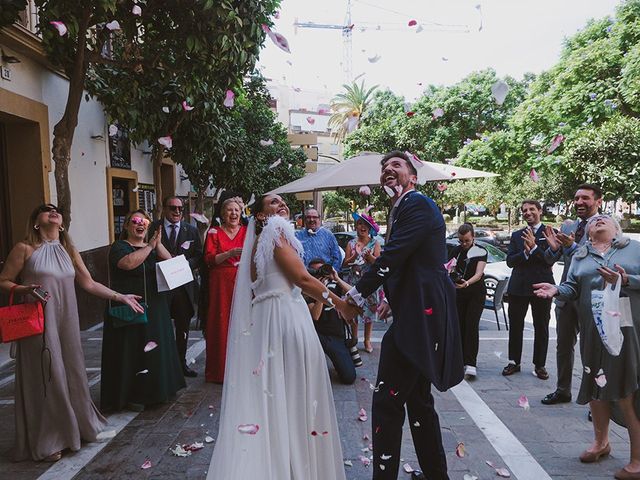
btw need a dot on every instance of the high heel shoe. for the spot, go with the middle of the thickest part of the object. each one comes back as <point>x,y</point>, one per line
<point>54,457</point>
<point>368,347</point>
<point>591,457</point>
<point>624,474</point>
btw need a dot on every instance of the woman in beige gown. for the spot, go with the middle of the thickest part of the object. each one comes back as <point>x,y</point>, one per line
<point>53,406</point>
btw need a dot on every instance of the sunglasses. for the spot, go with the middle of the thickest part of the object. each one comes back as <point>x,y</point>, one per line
<point>175,208</point>
<point>140,221</point>
<point>49,208</point>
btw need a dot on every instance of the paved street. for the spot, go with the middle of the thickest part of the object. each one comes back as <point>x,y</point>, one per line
<point>541,443</point>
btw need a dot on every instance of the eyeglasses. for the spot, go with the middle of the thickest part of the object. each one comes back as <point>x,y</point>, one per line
<point>175,208</point>
<point>49,208</point>
<point>140,221</point>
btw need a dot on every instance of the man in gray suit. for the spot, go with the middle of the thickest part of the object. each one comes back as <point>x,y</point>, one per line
<point>587,201</point>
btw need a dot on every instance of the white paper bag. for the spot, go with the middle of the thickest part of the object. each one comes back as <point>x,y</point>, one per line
<point>173,273</point>
<point>607,315</point>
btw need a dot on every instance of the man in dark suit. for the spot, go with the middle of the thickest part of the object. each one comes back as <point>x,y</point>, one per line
<point>422,347</point>
<point>531,258</point>
<point>180,238</point>
<point>587,201</point>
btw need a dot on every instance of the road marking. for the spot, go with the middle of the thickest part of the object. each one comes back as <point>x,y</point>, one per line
<point>506,444</point>
<point>72,463</point>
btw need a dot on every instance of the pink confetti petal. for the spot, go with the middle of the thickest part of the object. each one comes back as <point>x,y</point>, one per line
<point>193,447</point>
<point>167,142</point>
<point>113,130</point>
<point>113,25</point>
<point>311,120</point>
<point>146,464</point>
<point>276,15</point>
<point>364,460</point>
<point>460,452</point>
<point>407,468</point>
<point>499,91</point>
<point>555,143</point>
<point>365,191</point>
<point>277,38</point>
<point>362,415</point>
<point>428,311</point>
<point>412,23</point>
<point>60,26</point>
<point>249,428</point>
<point>393,393</point>
<point>415,160</point>
<point>503,472</point>
<point>136,10</point>
<point>451,265</point>
<point>266,143</point>
<point>150,346</point>
<point>202,219</point>
<point>601,380</point>
<point>186,244</point>
<point>442,187</point>
<point>258,370</point>
<point>410,114</point>
<point>534,175</point>
<point>523,402</point>
<point>229,99</point>
<point>437,113</point>
<point>186,107</point>
<point>179,451</point>
<point>613,314</point>
<point>366,438</point>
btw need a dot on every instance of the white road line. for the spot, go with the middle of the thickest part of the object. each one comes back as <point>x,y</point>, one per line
<point>72,463</point>
<point>515,455</point>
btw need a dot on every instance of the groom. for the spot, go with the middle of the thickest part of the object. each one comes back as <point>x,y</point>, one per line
<point>422,347</point>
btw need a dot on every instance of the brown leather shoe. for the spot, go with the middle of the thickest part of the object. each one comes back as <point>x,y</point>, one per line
<point>510,369</point>
<point>591,457</point>
<point>623,474</point>
<point>542,373</point>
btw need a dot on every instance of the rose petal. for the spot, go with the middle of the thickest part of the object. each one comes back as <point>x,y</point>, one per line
<point>311,120</point>
<point>613,314</point>
<point>364,460</point>
<point>113,25</point>
<point>503,472</point>
<point>555,143</point>
<point>601,380</point>
<point>136,10</point>
<point>389,191</point>
<point>407,468</point>
<point>437,113</point>
<point>208,439</point>
<point>60,26</point>
<point>150,346</point>
<point>412,23</point>
<point>534,175</point>
<point>142,372</point>
<point>587,370</point>
<point>362,415</point>
<point>393,393</point>
<point>193,447</point>
<point>499,91</point>
<point>416,424</point>
<point>428,311</point>
<point>113,130</point>
<point>374,59</point>
<point>266,143</point>
<point>179,451</point>
<point>186,244</point>
<point>523,402</point>
<point>451,265</point>
<point>348,463</point>
<point>200,218</point>
<point>460,450</point>
<point>249,428</point>
<point>498,354</point>
<point>277,38</point>
<point>365,191</point>
<point>186,107</point>
<point>229,99</point>
<point>167,142</point>
<point>468,476</point>
<point>275,164</point>
<point>146,464</point>
<point>442,187</point>
<point>252,200</point>
<point>410,114</point>
<point>258,370</point>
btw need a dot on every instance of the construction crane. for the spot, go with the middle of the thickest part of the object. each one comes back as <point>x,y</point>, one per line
<point>347,31</point>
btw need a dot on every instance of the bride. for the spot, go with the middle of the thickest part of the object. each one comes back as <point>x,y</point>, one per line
<point>278,420</point>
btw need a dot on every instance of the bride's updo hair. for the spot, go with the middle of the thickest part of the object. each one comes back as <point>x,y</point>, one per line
<point>256,208</point>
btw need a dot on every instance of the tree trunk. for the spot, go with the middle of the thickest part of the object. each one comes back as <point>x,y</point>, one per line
<point>157,154</point>
<point>200,195</point>
<point>64,130</point>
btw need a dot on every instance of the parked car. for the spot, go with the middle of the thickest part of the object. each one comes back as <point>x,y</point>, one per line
<point>496,268</point>
<point>498,239</point>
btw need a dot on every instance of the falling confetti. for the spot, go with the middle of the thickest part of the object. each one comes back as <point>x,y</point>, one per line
<point>113,25</point>
<point>113,130</point>
<point>258,370</point>
<point>412,23</point>
<point>60,26</point>
<point>428,311</point>
<point>229,99</point>
<point>249,429</point>
<point>444,59</point>
<point>348,463</point>
<point>142,372</point>
<point>193,447</point>
<point>389,191</point>
<point>410,114</point>
<point>451,264</point>
<point>199,217</point>
<point>311,120</point>
<point>468,476</point>
<point>523,402</point>
<point>442,187</point>
<point>555,143</point>
<point>416,424</point>
<point>534,175</point>
<point>167,141</point>
<point>277,38</point>
<point>407,468</point>
<point>498,354</point>
<point>415,160</point>
<point>136,10</point>
<point>499,91</point>
<point>365,460</point>
<point>503,472</point>
<point>186,107</point>
<point>179,451</point>
<point>365,191</point>
<point>208,439</point>
<point>150,346</point>
<point>362,415</point>
<point>186,244</point>
<point>275,164</point>
<point>165,109</point>
<point>146,464</point>
<point>437,113</point>
<point>266,143</point>
<point>460,452</point>
<point>419,29</point>
<point>601,379</point>
<point>374,59</point>
<point>587,370</point>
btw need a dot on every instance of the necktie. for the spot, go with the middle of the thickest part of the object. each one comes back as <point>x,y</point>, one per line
<point>173,237</point>
<point>390,223</point>
<point>580,231</point>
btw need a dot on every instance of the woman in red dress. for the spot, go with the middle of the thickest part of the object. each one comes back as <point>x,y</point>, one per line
<point>222,251</point>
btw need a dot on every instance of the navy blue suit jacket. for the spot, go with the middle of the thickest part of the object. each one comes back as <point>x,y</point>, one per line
<point>535,269</point>
<point>420,292</point>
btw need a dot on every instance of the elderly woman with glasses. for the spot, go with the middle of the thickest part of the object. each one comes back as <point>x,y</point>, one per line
<point>54,411</point>
<point>222,250</point>
<point>140,364</point>
<point>610,383</point>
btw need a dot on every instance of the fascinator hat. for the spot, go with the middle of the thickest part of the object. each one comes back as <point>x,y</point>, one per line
<point>373,226</point>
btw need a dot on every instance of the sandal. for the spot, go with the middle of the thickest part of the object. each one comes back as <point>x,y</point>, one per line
<point>54,457</point>
<point>368,347</point>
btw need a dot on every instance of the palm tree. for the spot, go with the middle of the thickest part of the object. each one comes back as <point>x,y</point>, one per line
<point>348,107</point>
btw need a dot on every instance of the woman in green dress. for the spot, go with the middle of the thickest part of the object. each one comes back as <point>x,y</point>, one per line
<point>140,364</point>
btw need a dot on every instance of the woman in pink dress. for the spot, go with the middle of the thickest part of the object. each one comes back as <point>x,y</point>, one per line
<point>222,251</point>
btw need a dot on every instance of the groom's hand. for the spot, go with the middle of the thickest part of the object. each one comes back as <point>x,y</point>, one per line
<point>383,310</point>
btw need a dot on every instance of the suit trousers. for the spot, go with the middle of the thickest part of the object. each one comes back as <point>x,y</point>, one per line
<point>470,307</point>
<point>567,328</point>
<point>181,312</point>
<point>541,312</point>
<point>400,383</point>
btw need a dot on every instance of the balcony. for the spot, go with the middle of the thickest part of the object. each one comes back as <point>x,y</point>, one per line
<point>28,18</point>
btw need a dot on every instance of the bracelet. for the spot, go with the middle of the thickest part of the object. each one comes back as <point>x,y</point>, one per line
<point>114,297</point>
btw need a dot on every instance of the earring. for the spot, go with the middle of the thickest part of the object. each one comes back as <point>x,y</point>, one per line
<point>36,227</point>
<point>61,228</point>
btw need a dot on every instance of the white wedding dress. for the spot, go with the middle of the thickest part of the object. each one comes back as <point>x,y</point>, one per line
<point>278,419</point>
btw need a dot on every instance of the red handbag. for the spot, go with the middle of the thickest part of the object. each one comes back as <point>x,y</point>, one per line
<point>20,321</point>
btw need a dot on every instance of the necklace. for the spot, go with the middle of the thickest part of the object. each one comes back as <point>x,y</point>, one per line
<point>606,256</point>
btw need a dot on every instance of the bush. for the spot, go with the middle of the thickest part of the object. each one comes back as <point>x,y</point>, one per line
<point>447,217</point>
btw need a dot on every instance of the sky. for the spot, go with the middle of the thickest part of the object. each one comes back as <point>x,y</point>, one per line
<point>516,37</point>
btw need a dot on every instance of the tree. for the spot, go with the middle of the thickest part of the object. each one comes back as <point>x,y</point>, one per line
<point>349,107</point>
<point>161,39</point>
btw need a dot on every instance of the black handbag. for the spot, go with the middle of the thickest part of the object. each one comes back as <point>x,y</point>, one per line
<point>123,315</point>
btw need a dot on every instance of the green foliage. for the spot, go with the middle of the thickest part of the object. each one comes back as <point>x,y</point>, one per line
<point>349,106</point>
<point>9,10</point>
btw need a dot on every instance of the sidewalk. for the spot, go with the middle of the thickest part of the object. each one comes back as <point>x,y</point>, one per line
<point>543,442</point>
